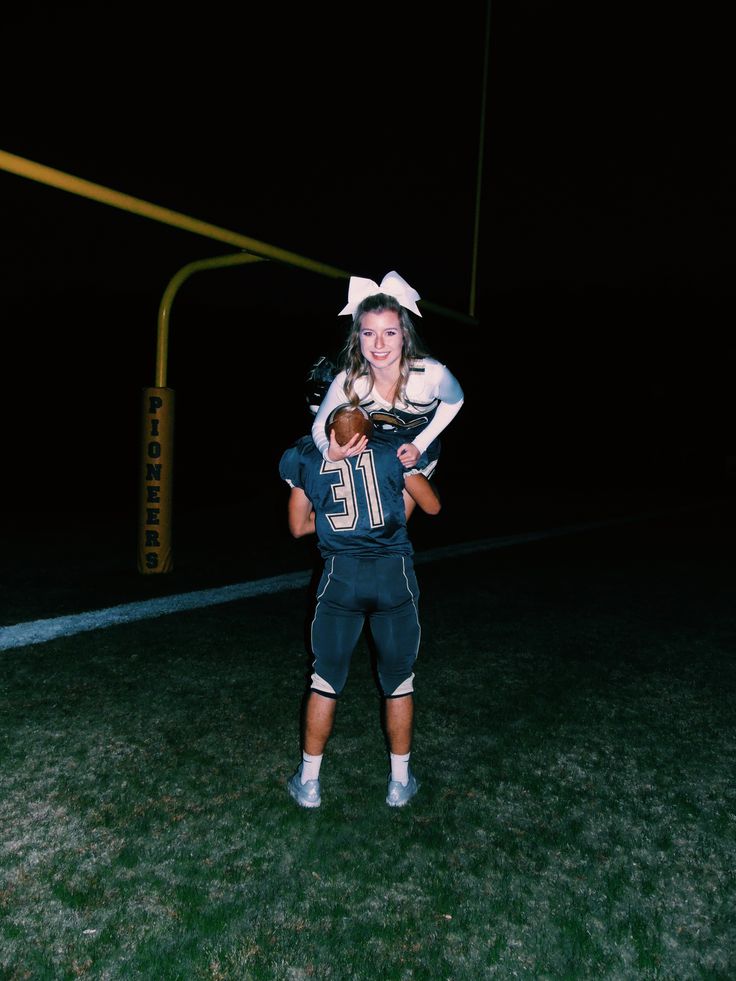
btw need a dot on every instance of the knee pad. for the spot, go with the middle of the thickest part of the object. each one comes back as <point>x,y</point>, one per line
<point>405,688</point>
<point>323,687</point>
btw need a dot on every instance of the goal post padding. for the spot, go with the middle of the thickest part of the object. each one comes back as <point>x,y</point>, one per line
<point>157,471</point>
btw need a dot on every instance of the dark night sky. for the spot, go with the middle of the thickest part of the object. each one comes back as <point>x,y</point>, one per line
<point>351,135</point>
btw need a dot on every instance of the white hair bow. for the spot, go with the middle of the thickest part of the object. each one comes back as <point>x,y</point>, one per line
<point>391,283</point>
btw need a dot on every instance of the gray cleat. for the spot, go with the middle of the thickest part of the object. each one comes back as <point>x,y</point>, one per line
<point>305,794</point>
<point>398,794</point>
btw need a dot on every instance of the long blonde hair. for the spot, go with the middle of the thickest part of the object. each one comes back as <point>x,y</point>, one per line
<point>351,358</point>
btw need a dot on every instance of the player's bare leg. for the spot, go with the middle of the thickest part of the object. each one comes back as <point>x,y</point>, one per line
<point>319,716</point>
<point>400,724</point>
<point>318,721</point>
<point>402,784</point>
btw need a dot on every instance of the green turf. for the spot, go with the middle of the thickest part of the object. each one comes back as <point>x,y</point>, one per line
<point>575,743</point>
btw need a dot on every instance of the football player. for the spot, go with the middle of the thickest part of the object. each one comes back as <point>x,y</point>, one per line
<point>355,506</point>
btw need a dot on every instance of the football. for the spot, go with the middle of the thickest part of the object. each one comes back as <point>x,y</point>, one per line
<point>346,420</point>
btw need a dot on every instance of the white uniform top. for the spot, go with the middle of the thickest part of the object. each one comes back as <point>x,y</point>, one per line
<point>432,388</point>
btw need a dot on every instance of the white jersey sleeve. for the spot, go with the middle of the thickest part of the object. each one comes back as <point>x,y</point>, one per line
<point>448,390</point>
<point>334,396</point>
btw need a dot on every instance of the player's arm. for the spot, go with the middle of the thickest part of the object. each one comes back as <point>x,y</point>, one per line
<point>409,504</point>
<point>301,514</point>
<point>420,491</point>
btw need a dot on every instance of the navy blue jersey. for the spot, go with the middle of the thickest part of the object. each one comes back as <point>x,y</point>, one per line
<point>358,502</point>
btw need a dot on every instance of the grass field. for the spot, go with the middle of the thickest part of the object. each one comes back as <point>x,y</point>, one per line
<point>575,743</point>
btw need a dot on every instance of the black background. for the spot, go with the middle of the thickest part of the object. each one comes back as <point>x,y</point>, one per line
<point>603,351</point>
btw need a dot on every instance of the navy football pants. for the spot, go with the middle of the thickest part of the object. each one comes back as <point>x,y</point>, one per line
<point>382,590</point>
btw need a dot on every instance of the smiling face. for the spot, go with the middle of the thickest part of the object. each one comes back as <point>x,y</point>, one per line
<point>381,340</point>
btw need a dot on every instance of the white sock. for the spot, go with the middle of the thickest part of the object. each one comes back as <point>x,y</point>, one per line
<point>400,768</point>
<point>310,767</point>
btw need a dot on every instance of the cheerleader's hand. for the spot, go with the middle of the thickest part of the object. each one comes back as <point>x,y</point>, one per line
<point>408,453</point>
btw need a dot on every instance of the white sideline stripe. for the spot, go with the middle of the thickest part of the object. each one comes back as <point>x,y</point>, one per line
<point>40,631</point>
